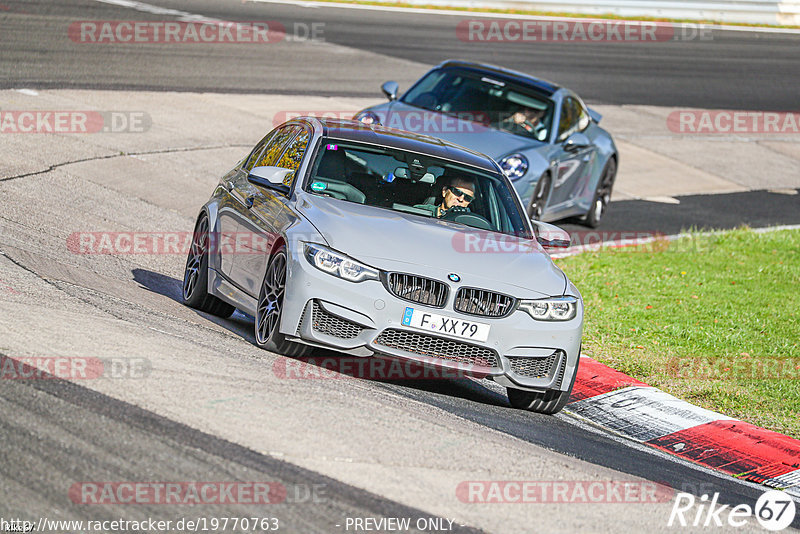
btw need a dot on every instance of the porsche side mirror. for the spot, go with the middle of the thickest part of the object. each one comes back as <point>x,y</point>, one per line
<point>576,141</point>
<point>390,90</point>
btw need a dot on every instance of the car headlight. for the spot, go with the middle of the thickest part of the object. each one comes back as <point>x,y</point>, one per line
<point>552,309</point>
<point>514,166</point>
<point>367,117</point>
<point>338,264</point>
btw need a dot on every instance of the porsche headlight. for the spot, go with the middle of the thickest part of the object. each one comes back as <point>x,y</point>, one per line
<point>514,166</point>
<point>367,117</point>
<point>552,309</point>
<point>338,264</point>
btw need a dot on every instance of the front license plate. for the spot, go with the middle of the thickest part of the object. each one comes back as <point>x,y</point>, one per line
<point>440,324</point>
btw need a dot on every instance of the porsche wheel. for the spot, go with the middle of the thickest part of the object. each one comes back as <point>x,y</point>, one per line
<point>602,195</point>
<point>539,198</point>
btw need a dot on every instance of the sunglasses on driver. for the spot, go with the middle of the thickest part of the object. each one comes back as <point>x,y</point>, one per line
<point>459,193</point>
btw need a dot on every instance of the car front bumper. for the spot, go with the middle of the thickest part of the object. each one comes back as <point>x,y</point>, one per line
<point>365,318</point>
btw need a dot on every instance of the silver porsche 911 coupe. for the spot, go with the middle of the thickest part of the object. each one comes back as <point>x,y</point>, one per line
<point>562,163</point>
<point>373,241</point>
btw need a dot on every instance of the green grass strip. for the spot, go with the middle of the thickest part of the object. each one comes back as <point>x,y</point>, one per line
<point>712,319</point>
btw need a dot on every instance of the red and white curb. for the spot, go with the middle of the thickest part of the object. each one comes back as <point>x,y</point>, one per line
<point>632,409</point>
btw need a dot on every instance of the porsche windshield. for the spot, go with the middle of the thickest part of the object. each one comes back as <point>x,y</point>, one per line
<point>471,96</point>
<point>410,182</point>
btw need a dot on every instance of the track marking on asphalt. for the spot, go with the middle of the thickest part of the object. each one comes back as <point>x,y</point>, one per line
<point>183,16</point>
<point>121,155</point>
<point>789,192</point>
<point>662,200</point>
<point>480,14</point>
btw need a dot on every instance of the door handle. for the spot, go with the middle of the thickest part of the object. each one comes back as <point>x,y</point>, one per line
<point>249,201</point>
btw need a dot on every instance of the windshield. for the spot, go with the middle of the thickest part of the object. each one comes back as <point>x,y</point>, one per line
<point>409,182</point>
<point>471,96</point>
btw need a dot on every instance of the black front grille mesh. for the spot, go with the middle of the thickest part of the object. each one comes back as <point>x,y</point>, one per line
<point>437,347</point>
<point>474,301</point>
<point>533,367</point>
<point>325,323</point>
<point>417,289</point>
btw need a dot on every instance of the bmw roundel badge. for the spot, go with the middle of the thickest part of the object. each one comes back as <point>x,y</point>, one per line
<point>453,277</point>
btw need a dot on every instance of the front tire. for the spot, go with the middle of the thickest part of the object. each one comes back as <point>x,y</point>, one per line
<point>602,195</point>
<point>270,309</point>
<point>547,403</point>
<point>195,275</point>
<point>539,198</point>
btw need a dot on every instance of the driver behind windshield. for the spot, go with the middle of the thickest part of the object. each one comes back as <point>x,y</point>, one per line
<point>457,193</point>
<point>526,121</point>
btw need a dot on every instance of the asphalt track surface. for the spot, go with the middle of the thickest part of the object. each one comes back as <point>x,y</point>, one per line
<point>48,425</point>
<point>129,438</point>
<point>732,70</point>
<point>756,209</point>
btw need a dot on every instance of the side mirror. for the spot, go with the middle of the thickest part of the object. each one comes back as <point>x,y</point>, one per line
<point>576,141</point>
<point>390,89</point>
<point>551,236</point>
<point>596,117</point>
<point>270,177</point>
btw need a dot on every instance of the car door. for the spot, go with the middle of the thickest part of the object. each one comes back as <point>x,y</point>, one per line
<point>231,207</point>
<point>573,160</point>
<point>263,222</point>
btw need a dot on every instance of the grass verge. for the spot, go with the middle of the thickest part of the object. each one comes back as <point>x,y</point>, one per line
<point>712,319</point>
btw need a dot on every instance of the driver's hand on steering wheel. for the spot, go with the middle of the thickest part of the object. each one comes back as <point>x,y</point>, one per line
<point>458,209</point>
<point>455,210</point>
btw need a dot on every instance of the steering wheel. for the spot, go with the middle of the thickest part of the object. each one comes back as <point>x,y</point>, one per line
<point>462,215</point>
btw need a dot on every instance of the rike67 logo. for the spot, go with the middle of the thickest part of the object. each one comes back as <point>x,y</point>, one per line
<point>774,510</point>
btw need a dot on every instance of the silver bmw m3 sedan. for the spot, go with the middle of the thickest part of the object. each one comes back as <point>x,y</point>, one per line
<point>372,241</point>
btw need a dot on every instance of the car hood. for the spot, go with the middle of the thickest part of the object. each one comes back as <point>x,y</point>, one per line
<point>489,141</point>
<point>394,241</point>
